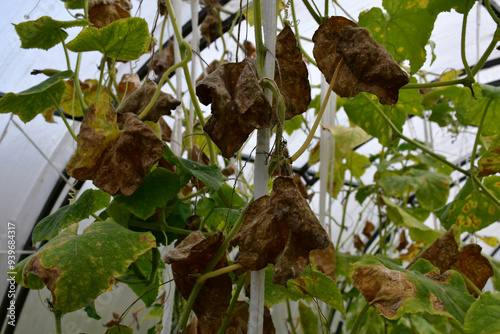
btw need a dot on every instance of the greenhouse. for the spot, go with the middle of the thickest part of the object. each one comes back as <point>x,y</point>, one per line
<point>236,166</point>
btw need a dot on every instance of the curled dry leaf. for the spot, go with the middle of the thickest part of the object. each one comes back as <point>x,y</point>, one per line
<point>209,27</point>
<point>138,101</point>
<point>280,229</point>
<point>475,266</point>
<point>192,256</point>
<point>104,12</point>
<point>383,288</point>
<point>368,229</point>
<point>250,50</point>
<point>366,66</point>
<point>358,243</point>
<point>116,155</point>
<point>238,105</point>
<point>162,7</point>
<point>163,60</point>
<point>291,74</point>
<point>128,84</point>
<point>324,260</point>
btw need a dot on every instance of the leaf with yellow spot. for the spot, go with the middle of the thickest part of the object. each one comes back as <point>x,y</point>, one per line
<point>490,162</point>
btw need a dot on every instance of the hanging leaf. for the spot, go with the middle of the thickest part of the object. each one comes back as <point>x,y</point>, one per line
<point>138,101</point>
<point>210,27</point>
<point>347,138</point>
<point>37,99</point>
<point>102,12</point>
<point>482,317</point>
<point>158,187</point>
<point>238,105</point>
<point>490,162</point>
<point>472,210</point>
<point>127,85</point>
<point>324,260</point>
<point>366,66</point>
<point>287,231</point>
<point>163,60</point>
<point>192,256</point>
<point>125,39</point>
<point>44,33</point>
<point>308,319</point>
<point>70,104</point>
<point>475,266</point>
<point>89,202</point>
<point>86,263</point>
<point>291,74</point>
<point>395,291</point>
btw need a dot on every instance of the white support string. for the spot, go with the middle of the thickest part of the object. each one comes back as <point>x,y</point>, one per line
<point>177,129</point>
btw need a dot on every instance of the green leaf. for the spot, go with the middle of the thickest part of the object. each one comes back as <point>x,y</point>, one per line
<point>91,311</point>
<point>495,264</point>
<point>37,99</point>
<point>482,317</point>
<point>219,216</point>
<point>431,189</point>
<point>418,230</point>
<point>311,284</point>
<point>74,4</point>
<point>210,175</point>
<point>357,164</point>
<point>314,154</point>
<point>490,162</point>
<point>120,329</point>
<point>78,268</point>
<point>342,262</point>
<point>125,39</point>
<point>89,202</point>
<point>472,210</point>
<point>158,187</point>
<point>347,138</point>
<point>308,319</point>
<point>177,218</point>
<point>470,109</point>
<point>442,295</point>
<point>44,33</point>
<point>362,112</point>
<point>293,124</point>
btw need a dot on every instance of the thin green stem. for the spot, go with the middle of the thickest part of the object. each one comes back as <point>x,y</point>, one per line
<point>315,15</point>
<point>219,272</point>
<point>478,134</point>
<point>290,319</point>
<point>68,63</point>
<point>344,213</point>
<point>259,42</point>
<point>309,138</point>
<point>361,314</point>
<point>58,316</point>
<point>491,12</point>
<point>296,28</point>
<point>163,25</point>
<point>101,76</point>
<point>230,309</point>
<point>76,81</point>
<point>464,81</point>
<point>468,281</point>
<point>462,45</point>
<point>198,193</point>
<point>487,52</point>
<point>58,108</point>
<point>221,34</point>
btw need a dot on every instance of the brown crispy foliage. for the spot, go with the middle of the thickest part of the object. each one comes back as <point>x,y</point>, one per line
<point>138,101</point>
<point>128,84</point>
<point>475,266</point>
<point>238,324</point>
<point>192,256</point>
<point>238,105</point>
<point>286,230</point>
<point>366,65</point>
<point>291,74</point>
<point>163,60</point>
<point>115,154</point>
<point>104,12</point>
<point>368,229</point>
<point>324,260</point>
<point>403,242</point>
<point>209,27</point>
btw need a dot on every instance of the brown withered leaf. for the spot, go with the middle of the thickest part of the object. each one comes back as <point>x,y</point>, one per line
<point>324,260</point>
<point>210,68</point>
<point>161,62</point>
<point>286,230</point>
<point>138,101</point>
<point>368,229</point>
<point>238,105</point>
<point>104,12</point>
<point>413,251</point>
<point>162,7</point>
<point>291,74</point>
<point>366,65</point>
<point>192,256</point>
<point>127,85</point>
<point>229,170</point>
<point>403,242</point>
<point>474,265</point>
<point>115,154</point>
<point>383,288</point>
<point>238,323</point>
<point>166,131</point>
<point>250,50</point>
<point>209,27</point>
<point>442,253</point>
<point>358,243</point>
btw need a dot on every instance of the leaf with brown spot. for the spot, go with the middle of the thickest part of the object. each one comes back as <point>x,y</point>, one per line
<point>138,101</point>
<point>161,62</point>
<point>366,65</point>
<point>104,12</point>
<point>489,163</point>
<point>127,85</point>
<point>324,260</point>
<point>287,231</point>
<point>238,105</point>
<point>209,27</point>
<point>192,256</point>
<point>115,159</point>
<point>474,265</point>
<point>291,74</point>
<point>368,229</point>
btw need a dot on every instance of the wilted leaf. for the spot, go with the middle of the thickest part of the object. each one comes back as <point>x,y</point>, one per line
<point>209,27</point>
<point>37,99</point>
<point>44,33</point>
<point>490,162</point>
<point>250,50</point>
<point>115,159</point>
<point>161,62</point>
<point>395,291</point>
<point>70,104</point>
<point>403,242</point>
<point>238,322</point>
<point>324,260</point>
<point>104,12</point>
<point>291,74</point>
<point>474,265</point>
<point>358,243</point>
<point>125,39</point>
<point>238,105</point>
<point>412,252</point>
<point>368,229</point>
<point>127,85</point>
<point>366,65</point>
<point>138,101</point>
<point>89,202</point>
<point>86,263</point>
<point>191,257</point>
<point>482,317</point>
<point>287,231</point>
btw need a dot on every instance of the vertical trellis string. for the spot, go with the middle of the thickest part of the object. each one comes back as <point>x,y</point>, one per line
<point>177,130</point>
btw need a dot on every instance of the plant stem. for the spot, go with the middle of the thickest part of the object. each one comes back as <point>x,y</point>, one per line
<point>68,63</point>
<point>101,76</point>
<point>487,192</point>
<point>309,138</point>
<point>58,316</point>
<point>478,134</point>
<point>259,43</point>
<point>361,314</point>
<point>491,12</point>
<point>315,15</point>
<point>487,52</point>
<point>468,281</point>
<point>76,81</point>
<point>58,108</point>
<point>462,44</point>
<point>219,272</point>
<point>296,28</point>
<point>290,320</point>
<point>464,81</point>
<point>230,309</point>
<point>188,197</point>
